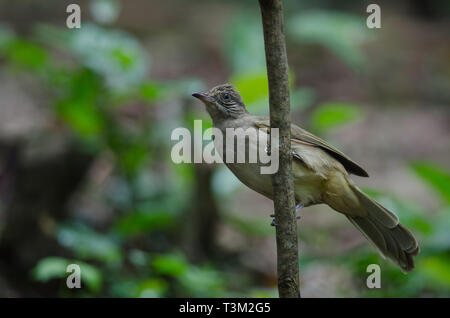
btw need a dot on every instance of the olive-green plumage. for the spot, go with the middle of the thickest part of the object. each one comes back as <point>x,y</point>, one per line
<point>320,175</point>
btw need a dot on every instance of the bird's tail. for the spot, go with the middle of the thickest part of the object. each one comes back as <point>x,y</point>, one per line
<point>382,228</point>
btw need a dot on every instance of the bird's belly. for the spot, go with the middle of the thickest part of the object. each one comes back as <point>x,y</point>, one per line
<point>307,184</point>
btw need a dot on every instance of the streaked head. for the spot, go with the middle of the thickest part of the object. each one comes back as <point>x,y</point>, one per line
<point>222,102</point>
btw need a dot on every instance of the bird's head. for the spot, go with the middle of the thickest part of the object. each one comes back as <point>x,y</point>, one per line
<point>223,102</point>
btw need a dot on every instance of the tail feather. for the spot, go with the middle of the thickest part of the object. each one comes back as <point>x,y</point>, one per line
<point>382,228</point>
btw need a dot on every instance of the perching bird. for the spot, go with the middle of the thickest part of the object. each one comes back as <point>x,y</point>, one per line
<point>320,175</point>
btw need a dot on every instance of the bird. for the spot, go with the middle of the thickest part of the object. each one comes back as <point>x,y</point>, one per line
<point>321,175</point>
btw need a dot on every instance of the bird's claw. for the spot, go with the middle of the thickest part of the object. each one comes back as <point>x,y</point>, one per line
<point>298,207</point>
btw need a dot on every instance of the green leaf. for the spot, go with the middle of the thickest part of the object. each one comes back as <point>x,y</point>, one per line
<point>254,89</point>
<point>115,55</point>
<point>333,114</point>
<point>253,86</point>
<point>88,244</point>
<point>133,155</point>
<point>435,176</point>
<point>78,105</point>
<point>263,293</point>
<point>140,223</point>
<point>49,268</point>
<point>91,275</point>
<point>83,117</point>
<point>435,268</point>
<point>26,54</point>
<point>151,288</point>
<point>124,286</point>
<point>152,91</point>
<point>56,267</point>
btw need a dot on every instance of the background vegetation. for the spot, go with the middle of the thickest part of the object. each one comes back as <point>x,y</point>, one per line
<point>85,123</point>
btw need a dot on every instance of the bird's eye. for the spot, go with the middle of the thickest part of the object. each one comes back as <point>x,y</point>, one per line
<point>226,96</point>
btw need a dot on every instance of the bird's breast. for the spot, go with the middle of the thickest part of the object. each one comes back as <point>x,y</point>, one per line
<point>242,152</point>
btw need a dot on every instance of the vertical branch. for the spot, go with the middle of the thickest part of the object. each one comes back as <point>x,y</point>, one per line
<point>283,189</point>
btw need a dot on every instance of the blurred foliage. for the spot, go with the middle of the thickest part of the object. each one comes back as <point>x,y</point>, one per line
<point>243,40</point>
<point>338,32</point>
<point>431,273</point>
<point>436,176</point>
<point>113,54</point>
<point>330,115</point>
<point>94,73</point>
<point>55,267</point>
<point>108,69</point>
<point>88,244</point>
<point>105,11</point>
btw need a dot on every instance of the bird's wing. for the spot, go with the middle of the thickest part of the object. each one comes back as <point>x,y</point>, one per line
<point>299,135</point>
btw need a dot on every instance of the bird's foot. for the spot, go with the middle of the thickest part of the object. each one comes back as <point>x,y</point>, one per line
<point>297,208</point>
<point>273,223</point>
<point>298,217</point>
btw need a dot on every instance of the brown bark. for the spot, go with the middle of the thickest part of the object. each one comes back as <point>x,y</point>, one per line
<point>284,201</point>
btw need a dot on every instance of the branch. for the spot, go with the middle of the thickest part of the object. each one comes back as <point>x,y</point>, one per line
<point>283,189</point>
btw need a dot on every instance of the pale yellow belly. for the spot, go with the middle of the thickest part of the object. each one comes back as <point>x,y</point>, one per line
<point>307,184</point>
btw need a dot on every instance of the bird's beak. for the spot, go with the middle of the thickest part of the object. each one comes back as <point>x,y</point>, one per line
<point>203,97</point>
